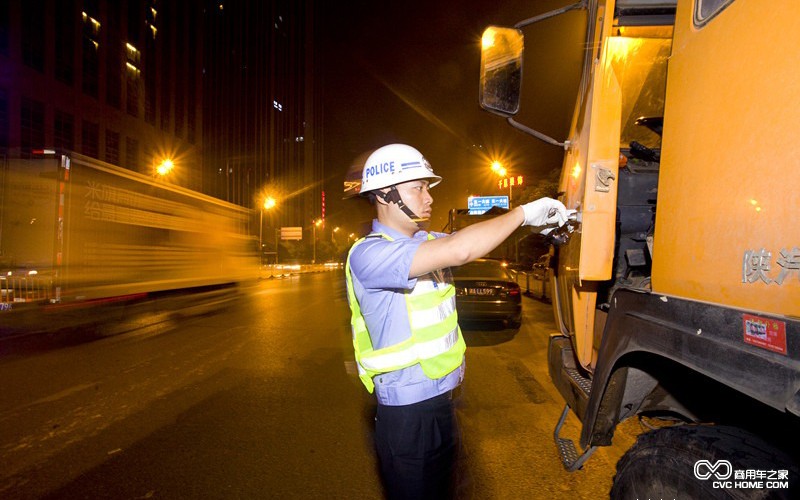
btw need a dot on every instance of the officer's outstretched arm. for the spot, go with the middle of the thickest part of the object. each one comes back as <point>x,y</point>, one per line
<point>477,240</point>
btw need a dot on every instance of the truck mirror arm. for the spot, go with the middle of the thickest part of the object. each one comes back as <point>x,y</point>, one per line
<point>580,5</point>
<point>583,4</point>
<point>546,138</point>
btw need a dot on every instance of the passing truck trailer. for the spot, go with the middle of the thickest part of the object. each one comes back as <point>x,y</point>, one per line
<point>676,289</point>
<point>75,232</point>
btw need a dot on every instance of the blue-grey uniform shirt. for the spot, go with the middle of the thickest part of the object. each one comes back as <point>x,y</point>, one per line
<point>380,274</point>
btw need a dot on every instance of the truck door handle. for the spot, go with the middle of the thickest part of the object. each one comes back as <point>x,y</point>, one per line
<point>603,178</point>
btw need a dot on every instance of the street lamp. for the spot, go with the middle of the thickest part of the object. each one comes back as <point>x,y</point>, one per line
<point>163,168</point>
<point>505,176</point>
<point>498,168</point>
<point>501,171</point>
<point>317,223</point>
<point>269,203</point>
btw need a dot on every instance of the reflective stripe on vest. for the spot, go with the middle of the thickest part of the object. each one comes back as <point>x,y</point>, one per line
<point>433,315</point>
<point>411,354</point>
<point>435,342</point>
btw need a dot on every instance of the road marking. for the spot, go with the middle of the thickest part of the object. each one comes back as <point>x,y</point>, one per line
<point>61,394</point>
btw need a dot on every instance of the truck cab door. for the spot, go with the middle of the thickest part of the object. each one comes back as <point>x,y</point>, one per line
<point>588,184</point>
<point>623,79</point>
<point>625,86</point>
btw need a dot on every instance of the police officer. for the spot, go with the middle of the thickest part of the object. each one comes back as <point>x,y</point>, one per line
<point>408,347</point>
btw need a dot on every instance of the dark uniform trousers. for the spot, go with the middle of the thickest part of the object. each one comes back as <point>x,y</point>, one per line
<point>417,447</point>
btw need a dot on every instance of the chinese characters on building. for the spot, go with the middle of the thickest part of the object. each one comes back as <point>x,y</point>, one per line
<point>510,181</point>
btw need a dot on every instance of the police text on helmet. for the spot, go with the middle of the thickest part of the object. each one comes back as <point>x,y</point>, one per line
<point>380,168</point>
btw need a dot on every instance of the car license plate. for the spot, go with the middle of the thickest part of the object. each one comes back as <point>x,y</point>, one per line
<point>480,291</point>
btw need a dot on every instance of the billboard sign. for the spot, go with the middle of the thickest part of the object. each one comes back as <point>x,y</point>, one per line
<point>292,233</point>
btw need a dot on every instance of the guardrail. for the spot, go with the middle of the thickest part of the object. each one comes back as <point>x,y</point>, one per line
<point>288,270</point>
<point>533,286</point>
<point>24,288</point>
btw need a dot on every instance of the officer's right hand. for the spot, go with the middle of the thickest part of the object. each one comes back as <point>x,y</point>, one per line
<point>544,211</point>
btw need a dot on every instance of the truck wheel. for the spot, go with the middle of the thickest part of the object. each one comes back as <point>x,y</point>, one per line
<point>662,465</point>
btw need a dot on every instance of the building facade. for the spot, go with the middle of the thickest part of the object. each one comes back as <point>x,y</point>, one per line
<point>263,109</point>
<point>225,89</point>
<point>119,81</point>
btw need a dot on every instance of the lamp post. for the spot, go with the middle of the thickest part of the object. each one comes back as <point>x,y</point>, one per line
<point>501,171</point>
<point>269,203</point>
<point>314,226</point>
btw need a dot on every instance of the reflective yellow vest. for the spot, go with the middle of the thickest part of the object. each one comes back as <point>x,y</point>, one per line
<point>435,342</point>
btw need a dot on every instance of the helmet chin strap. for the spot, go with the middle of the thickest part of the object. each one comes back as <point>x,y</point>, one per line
<point>393,196</point>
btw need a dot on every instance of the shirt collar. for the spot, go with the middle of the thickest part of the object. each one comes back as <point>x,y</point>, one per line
<point>377,227</point>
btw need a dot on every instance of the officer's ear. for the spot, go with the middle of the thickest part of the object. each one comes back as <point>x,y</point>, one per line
<point>377,197</point>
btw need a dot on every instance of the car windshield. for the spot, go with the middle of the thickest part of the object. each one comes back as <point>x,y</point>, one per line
<point>481,269</point>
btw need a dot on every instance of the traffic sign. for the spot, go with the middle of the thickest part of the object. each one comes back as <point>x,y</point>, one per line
<point>480,204</point>
<point>292,233</point>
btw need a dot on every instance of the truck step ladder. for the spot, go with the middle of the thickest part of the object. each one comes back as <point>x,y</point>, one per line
<point>567,449</point>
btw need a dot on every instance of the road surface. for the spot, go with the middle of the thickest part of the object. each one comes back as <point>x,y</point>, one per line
<point>260,399</point>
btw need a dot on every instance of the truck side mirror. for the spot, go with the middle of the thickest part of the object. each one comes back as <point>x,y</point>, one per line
<point>501,70</point>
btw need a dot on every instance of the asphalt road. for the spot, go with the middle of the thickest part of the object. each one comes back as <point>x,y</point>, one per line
<point>260,400</point>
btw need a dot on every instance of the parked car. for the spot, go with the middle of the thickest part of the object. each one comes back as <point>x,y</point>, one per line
<point>485,291</point>
<point>541,268</point>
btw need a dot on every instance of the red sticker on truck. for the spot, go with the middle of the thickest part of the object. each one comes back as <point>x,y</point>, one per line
<point>764,332</point>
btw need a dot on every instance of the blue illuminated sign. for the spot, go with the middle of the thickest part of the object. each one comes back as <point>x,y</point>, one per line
<point>480,204</point>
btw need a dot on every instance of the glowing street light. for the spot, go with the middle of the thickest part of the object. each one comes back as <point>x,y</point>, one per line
<point>498,168</point>
<point>317,223</point>
<point>501,171</point>
<point>165,167</point>
<point>269,203</point>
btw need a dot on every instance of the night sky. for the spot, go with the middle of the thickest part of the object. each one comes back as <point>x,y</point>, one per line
<point>407,71</point>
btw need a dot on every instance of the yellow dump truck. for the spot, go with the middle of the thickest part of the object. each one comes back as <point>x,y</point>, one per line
<point>677,287</point>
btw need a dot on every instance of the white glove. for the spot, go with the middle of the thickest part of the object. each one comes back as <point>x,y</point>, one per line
<point>544,211</point>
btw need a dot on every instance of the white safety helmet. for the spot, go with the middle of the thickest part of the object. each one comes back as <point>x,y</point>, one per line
<point>395,164</point>
<point>388,166</point>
